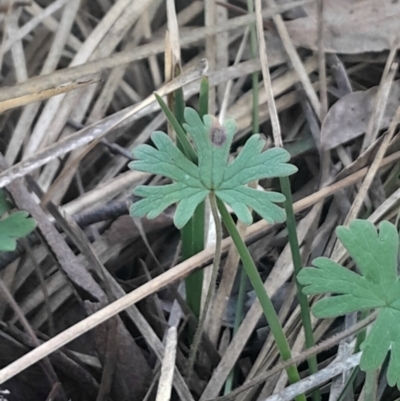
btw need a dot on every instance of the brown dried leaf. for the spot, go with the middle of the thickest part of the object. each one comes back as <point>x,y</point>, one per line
<point>132,374</point>
<point>348,117</point>
<point>351,26</point>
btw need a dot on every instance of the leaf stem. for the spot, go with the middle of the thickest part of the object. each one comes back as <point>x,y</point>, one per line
<point>265,301</point>
<point>180,133</point>
<point>238,320</point>
<point>296,258</point>
<point>203,97</point>
<point>210,292</point>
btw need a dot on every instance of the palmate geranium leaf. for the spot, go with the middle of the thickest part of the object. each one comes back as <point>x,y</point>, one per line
<point>378,286</point>
<point>192,183</point>
<point>12,227</point>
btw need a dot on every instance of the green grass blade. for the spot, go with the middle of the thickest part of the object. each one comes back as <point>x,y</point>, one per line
<point>238,320</point>
<point>180,133</point>
<point>192,234</point>
<point>179,106</point>
<point>265,301</point>
<point>203,96</point>
<point>296,257</point>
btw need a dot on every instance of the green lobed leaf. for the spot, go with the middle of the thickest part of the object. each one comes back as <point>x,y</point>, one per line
<point>13,227</point>
<point>251,164</point>
<point>378,286</point>
<point>213,173</point>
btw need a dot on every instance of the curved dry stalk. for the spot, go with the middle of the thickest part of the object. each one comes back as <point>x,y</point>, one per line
<point>211,289</point>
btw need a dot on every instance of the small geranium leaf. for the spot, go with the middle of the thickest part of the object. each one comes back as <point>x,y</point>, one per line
<point>377,287</point>
<point>192,183</point>
<point>12,227</point>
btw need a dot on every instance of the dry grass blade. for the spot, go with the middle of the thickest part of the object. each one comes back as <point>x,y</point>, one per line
<point>225,98</point>
<point>222,47</point>
<point>168,365</point>
<point>315,380</point>
<point>173,29</point>
<point>276,128</point>
<point>49,371</point>
<point>32,24</point>
<point>172,56</point>
<point>324,345</point>
<point>105,192</point>
<point>64,254</point>
<point>100,43</point>
<point>67,75</point>
<point>17,50</point>
<point>210,18</point>
<point>322,62</point>
<point>95,131</point>
<point>49,66</point>
<point>45,94</point>
<point>224,289</point>
<point>362,193</point>
<point>381,99</point>
<point>295,59</point>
